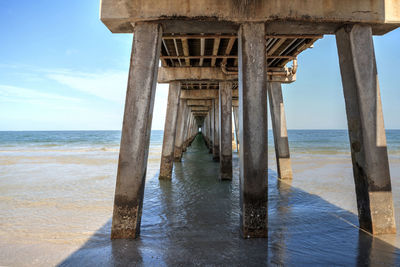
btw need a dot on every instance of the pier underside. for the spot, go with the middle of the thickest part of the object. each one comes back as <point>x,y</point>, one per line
<point>225,57</point>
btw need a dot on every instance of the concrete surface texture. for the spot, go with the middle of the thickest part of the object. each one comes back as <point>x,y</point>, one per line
<point>118,15</point>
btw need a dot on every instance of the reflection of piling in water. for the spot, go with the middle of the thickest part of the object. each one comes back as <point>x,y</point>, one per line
<point>233,56</point>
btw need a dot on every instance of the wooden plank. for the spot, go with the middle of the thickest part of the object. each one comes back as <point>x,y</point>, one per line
<point>275,46</point>
<point>304,47</point>
<point>167,51</point>
<point>295,36</point>
<point>215,50</point>
<point>202,49</point>
<point>177,52</point>
<point>279,56</point>
<point>229,49</point>
<point>196,57</point>
<point>222,57</point>
<point>185,46</point>
<point>199,36</point>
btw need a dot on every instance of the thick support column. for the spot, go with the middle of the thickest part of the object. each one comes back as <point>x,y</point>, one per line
<point>136,131</point>
<point>236,119</point>
<point>180,126</point>
<point>204,130</point>
<point>366,129</point>
<point>186,133</point>
<point>208,126</point>
<point>167,155</point>
<point>216,130</point>
<point>280,131</point>
<point>185,130</point>
<point>253,130</point>
<point>225,126</point>
<point>211,149</point>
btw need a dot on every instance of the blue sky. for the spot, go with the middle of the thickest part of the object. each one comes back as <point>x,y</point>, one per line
<point>61,69</point>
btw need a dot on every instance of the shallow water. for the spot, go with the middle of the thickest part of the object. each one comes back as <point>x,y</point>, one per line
<point>56,205</point>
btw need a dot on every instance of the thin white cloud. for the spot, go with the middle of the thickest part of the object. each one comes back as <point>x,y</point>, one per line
<point>17,94</point>
<point>109,85</point>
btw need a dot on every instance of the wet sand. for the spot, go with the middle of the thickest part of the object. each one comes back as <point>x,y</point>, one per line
<point>55,209</point>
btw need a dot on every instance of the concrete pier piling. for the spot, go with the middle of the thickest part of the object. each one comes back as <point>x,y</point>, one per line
<point>216,130</point>
<point>167,154</point>
<point>279,130</point>
<point>212,127</point>
<point>180,128</point>
<point>253,134</point>
<point>186,132</point>
<point>136,128</point>
<point>225,126</point>
<point>366,129</point>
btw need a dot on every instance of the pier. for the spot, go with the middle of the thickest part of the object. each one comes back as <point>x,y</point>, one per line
<point>229,57</point>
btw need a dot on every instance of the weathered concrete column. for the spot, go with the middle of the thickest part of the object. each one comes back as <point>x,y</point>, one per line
<point>186,132</point>
<point>167,155</point>
<point>185,129</point>
<point>280,131</point>
<point>180,126</point>
<point>208,125</point>
<point>216,130</point>
<point>204,130</point>
<point>225,126</point>
<point>136,128</point>
<point>211,148</point>
<point>366,129</point>
<point>253,132</point>
<point>236,119</point>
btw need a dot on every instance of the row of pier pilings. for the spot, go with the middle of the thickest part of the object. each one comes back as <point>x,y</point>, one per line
<point>364,114</point>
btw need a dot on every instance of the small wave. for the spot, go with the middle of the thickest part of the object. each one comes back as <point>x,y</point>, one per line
<point>49,145</point>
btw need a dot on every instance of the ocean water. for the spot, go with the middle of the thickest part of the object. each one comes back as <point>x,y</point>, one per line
<point>56,199</point>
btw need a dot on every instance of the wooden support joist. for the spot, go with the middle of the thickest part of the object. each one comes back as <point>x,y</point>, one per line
<point>275,46</point>
<point>304,47</point>
<point>276,58</point>
<point>202,49</point>
<point>295,36</point>
<point>221,57</point>
<point>185,47</point>
<point>229,49</point>
<point>215,50</point>
<point>226,36</point>
<point>199,36</point>
<point>177,51</point>
<point>167,51</point>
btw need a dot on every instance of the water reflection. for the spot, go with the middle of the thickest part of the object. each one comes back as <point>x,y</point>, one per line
<point>194,220</point>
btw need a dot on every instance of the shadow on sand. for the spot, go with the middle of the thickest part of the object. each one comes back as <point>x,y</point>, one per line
<point>194,220</point>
